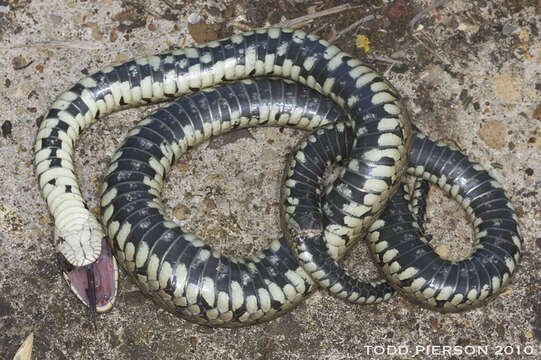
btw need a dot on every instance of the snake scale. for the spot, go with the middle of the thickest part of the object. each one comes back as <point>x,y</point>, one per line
<point>365,126</point>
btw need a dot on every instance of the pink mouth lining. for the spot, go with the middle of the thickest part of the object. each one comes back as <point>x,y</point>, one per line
<point>104,270</point>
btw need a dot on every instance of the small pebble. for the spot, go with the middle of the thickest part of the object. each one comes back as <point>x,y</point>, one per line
<point>56,20</point>
<point>508,29</point>
<point>18,62</point>
<point>6,128</point>
<point>181,212</point>
<point>194,18</point>
<point>442,251</point>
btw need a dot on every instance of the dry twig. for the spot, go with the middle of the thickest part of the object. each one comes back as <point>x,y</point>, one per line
<point>71,44</point>
<point>425,11</point>
<point>310,17</point>
<point>388,60</point>
<point>432,50</point>
<point>351,27</point>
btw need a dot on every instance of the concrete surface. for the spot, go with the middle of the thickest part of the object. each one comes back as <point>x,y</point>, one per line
<point>470,73</point>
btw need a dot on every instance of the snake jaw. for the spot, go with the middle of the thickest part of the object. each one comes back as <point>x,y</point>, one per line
<point>103,274</point>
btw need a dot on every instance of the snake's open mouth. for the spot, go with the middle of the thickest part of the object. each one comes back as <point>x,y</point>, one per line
<point>102,274</point>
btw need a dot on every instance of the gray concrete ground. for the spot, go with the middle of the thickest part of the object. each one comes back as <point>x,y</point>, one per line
<point>470,73</point>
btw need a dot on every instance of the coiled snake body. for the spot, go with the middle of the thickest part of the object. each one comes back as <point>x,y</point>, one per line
<point>374,139</point>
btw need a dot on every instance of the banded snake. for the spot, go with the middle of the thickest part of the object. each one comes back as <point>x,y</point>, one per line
<point>243,291</point>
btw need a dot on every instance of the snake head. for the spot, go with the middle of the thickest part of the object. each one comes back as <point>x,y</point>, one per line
<point>95,284</point>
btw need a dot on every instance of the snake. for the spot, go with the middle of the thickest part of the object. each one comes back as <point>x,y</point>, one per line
<point>277,281</point>
<point>397,240</point>
<point>174,266</point>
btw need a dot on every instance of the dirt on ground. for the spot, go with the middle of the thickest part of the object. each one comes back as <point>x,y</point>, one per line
<point>469,73</point>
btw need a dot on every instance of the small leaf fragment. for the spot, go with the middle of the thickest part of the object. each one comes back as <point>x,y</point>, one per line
<point>363,42</point>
